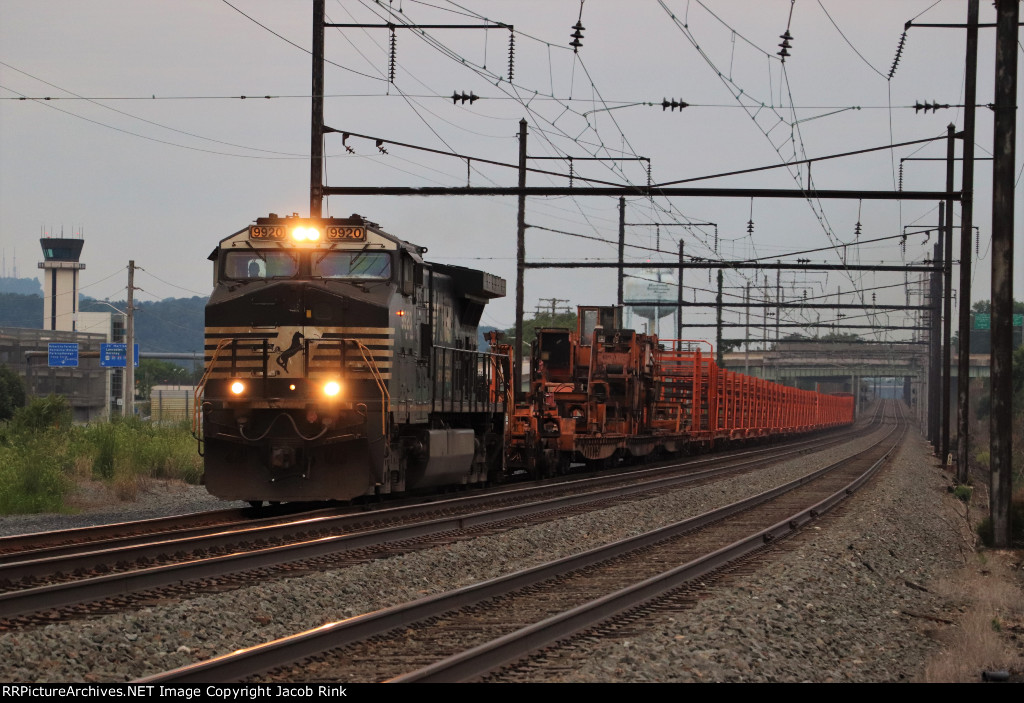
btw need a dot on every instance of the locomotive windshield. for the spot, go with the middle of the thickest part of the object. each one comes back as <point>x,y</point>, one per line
<point>353,264</point>
<point>250,265</point>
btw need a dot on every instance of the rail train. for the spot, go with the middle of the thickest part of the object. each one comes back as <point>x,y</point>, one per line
<point>340,364</point>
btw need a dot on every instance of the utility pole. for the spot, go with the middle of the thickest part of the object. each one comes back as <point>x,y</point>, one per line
<point>746,332</point>
<point>947,300</point>
<point>778,299</point>
<point>517,362</point>
<point>622,244</point>
<point>129,357</point>
<point>934,345</point>
<point>554,305</point>
<point>679,300</point>
<point>1001,359</point>
<point>718,333</point>
<point>966,232</point>
<point>316,132</point>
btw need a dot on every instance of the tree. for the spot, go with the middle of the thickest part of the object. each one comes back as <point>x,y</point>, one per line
<point>565,320</point>
<point>840,337</point>
<point>12,392</point>
<point>153,372</point>
<point>985,307</point>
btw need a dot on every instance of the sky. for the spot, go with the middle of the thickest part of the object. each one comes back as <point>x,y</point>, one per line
<point>148,151</point>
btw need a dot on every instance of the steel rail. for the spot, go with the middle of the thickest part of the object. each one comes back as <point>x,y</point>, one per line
<point>504,650</point>
<point>20,602</point>
<point>50,544</point>
<point>254,660</point>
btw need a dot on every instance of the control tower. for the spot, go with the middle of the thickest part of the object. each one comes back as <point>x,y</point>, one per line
<point>60,283</point>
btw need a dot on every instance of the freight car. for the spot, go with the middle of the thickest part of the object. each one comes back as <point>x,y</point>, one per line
<point>339,364</point>
<point>603,394</point>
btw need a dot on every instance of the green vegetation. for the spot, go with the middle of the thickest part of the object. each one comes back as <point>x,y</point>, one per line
<point>169,325</point>
<point>153,372</point>
<point>963,492</point>
<point>566,320</point>
<point>12,392</point>
<point>42,455</point>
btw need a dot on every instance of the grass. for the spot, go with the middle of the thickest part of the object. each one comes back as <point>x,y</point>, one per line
<point>42,456</point>
<point>963,492</point>
<point>981,640</point>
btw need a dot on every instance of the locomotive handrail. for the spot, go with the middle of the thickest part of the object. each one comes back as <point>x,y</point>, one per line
<point>385,397</point>
<point>443,354</point>
<point>196,409</point>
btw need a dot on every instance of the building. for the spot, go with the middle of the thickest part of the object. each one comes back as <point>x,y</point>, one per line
<point>92,390</point>
<point>85,386</point>
<point>60,281</point>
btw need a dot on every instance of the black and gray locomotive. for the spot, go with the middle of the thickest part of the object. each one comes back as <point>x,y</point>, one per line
<point>340,364</point>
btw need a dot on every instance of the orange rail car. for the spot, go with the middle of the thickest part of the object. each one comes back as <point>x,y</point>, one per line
<point>602,393</point>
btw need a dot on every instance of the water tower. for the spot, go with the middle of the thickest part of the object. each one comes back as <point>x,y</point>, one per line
<point>649,286</point>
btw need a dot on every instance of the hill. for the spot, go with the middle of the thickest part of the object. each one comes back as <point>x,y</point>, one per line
<point>21,286</point>
<point>169,325</point>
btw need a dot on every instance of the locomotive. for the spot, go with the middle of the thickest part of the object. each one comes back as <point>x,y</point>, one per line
<point>341,364</point>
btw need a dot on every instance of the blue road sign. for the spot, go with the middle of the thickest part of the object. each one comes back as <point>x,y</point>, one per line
<point>112,355</point>
<point>62,354</point>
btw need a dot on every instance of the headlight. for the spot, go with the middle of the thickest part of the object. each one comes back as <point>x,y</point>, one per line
<point>332,389</point>
<point>237,387</point>
<point>305,234</point>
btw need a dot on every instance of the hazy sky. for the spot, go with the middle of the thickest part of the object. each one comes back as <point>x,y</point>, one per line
<point>147,149</point>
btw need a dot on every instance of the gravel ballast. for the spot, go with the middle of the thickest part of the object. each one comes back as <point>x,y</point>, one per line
<point>829,606</point>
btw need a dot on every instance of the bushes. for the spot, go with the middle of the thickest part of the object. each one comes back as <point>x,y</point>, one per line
<point>42,454</point>
<point>35,457</point>
<point>124,452</point>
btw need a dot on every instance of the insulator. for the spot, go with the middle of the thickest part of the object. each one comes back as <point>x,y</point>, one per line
<point>394,43</point>
<point>856,229</point>
<point>750,226</point>
<point>648,174</point>
<point>456,97</point>
<point>901,177</point>
<point>785,45</point>
<point>380,146</point>
<point>673,104</point>
<point>576,36</point>
<point>899,52</point>
<point>977,243</point>
<point>511,53</point>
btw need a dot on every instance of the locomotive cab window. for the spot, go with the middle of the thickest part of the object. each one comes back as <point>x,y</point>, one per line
<point>353,264</point>
<point>250,265</point>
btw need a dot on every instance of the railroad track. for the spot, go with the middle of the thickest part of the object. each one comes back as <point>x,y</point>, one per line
<point>463,634</point>
<point>80,581</point>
